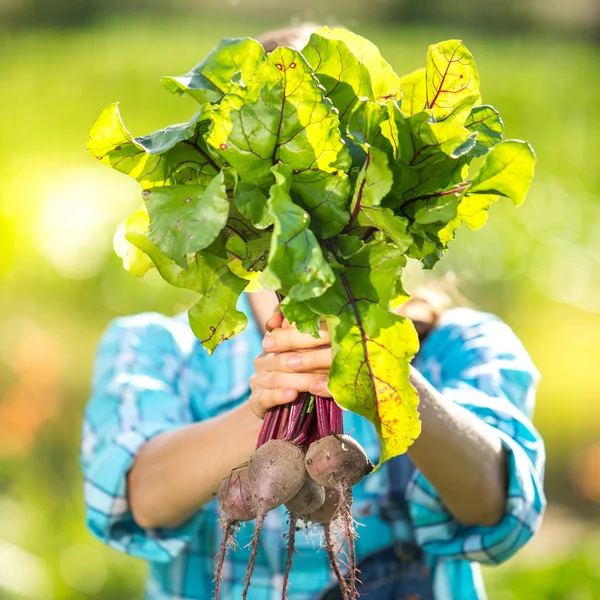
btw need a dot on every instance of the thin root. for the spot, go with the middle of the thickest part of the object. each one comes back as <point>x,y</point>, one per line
<point>331,553</point>
<point>228,530</point>
<point>290,555</point>
<point>260,519</point>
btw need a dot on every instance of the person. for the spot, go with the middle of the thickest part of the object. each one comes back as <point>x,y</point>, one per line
<point>166,422</point>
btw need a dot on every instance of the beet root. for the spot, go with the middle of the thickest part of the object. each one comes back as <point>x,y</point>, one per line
<point>276,473</point>
<point>309,499</point>
<point>235,497</point>
<point>337,461</point>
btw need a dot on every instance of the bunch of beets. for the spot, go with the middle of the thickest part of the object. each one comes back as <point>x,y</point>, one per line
<point>305,462</point>
<point>315,174</point>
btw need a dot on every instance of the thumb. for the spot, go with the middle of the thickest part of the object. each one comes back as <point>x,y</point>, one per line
<point>275,321</point>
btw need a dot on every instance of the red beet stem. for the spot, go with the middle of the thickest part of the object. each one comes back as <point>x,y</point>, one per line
<point>296,415</point>
<point>323,424</point>
<point>282,422</point>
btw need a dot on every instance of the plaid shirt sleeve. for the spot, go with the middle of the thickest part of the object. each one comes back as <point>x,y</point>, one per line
<point>478,362</point>
<point>133,398</point>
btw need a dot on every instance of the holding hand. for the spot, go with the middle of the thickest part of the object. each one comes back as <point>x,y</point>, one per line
<point>292,362</point>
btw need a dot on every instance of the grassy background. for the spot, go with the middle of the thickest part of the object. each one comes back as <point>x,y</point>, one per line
<point>538,267</point>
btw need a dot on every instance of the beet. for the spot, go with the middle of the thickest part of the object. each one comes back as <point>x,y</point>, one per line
<point>309,499</point>
<point>337,461</point>
<point>276,472</point>
<point>235,499</point>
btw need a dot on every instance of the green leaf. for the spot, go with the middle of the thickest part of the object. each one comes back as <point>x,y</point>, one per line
<point>472,210</point>
<point>300,314</point>
<point>423,142</point>
<point>212,78</point>
<point>296,261</point>
<point>384,219</point>
<point>257,253</point>
<point>369,124</point>
<point>486,121</point>
<point>372,348</point>
<point>186,218</point>
<point>452,81</point>
<point>374,181</point>
<point>280,116</point>
<point>172,156</point>
<point>350,68</point>
<point>214,318</point>
<point>414,92</point>
<point>251,201</point>
<point>325,198</point>
<point>134,260</point>
<point>507,170</point>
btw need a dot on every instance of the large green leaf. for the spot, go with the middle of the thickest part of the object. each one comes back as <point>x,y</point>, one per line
<point>212,78</point>
<point>452,81</point>
<point>171,156</point>
<point>486,121</point>
<point>507,170</point>
<point>296,262</point>
<point>214,318</point>
<point>186,218</point>
<point>414,92</point>
<point>281,115</point>
<point>350,67</point>
<point>372,348</point>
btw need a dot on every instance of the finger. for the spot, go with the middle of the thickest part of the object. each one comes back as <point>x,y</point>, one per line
<point>265,399</point>
<point>275,321</point>
<point>284,340</point>
<point>279,380</point>
<point>307,361</point>
<point>319,388</point>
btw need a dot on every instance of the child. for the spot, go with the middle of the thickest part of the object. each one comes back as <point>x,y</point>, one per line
<point>166,423</point>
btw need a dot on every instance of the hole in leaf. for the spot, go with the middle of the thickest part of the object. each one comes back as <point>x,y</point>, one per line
<point>188,199</point>
<point>118,148</point>
<point>293,66</point>
<point>280,67</point>
<point>99,157</point>
<point>223,146</point>
<point>146,193</point>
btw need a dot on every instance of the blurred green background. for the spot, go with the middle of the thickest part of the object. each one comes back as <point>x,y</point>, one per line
<point>62,61</point>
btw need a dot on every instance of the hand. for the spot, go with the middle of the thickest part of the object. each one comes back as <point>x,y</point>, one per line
<point>292,362</point>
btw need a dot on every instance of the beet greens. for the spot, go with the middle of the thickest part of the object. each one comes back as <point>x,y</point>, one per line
<point>315,174</point>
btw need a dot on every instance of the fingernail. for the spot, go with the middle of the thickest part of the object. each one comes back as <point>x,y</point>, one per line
<point>294,362</point>
<point>289,394</point>
<point>317,387</point>
<point>269,343</point>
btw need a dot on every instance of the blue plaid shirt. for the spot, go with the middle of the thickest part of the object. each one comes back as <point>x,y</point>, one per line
<point>152,376</point>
